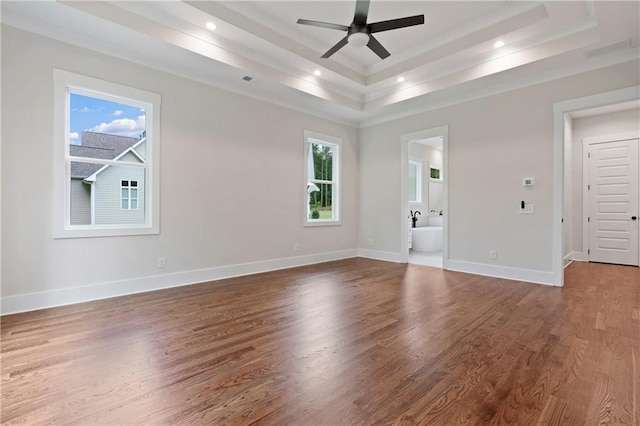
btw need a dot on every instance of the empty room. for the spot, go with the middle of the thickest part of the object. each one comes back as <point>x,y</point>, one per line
<point>320,212</point>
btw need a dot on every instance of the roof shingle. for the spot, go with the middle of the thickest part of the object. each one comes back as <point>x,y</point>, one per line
<point>97,145</point>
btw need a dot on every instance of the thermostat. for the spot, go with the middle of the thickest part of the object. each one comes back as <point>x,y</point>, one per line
<point>528,182</point>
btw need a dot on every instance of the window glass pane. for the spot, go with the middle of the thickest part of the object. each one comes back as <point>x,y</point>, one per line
<point>320,201</point>
<point>322,166</point>
<point>105,129</point>
<point>134,183</point>
<point>134,193</point>
<point>134,204</point>
<point>412,182</point>
<point>80,198</point>
<point>109,198</point>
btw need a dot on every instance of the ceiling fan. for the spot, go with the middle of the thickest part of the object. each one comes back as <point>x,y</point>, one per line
<point>360,34</point>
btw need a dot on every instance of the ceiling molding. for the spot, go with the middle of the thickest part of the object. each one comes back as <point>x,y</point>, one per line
<point>426,104</point>
<point>251,26</point>
<point>449,60</point>
<point>196,45</point>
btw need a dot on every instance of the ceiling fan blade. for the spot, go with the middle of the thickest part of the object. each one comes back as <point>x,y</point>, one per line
<point>375,45</point>
<point>320,24</point>
<point>393,24</point>
<point>339,45</point>
<point>362,10</point>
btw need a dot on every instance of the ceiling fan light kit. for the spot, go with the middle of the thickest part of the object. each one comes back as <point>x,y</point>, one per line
<point>360,33</point>
<point>358,39</point>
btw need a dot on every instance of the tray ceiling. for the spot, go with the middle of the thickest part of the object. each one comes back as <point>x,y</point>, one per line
<point>451,58</point>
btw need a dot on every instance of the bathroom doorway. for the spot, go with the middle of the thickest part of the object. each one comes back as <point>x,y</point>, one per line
<point>424,201</point>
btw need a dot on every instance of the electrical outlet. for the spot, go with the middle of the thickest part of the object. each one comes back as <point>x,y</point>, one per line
<point>296,247</point>
<point>162,262</point>
<point>493,255</point>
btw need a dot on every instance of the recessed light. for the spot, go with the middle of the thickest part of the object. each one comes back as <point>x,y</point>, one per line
<point>498,44</point>
<point>317,73</point>
<point>400,79</point>
<point>211,26</point>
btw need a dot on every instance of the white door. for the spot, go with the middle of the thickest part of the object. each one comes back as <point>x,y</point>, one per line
<point>613,202</point>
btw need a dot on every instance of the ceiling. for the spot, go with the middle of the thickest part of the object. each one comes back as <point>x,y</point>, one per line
<point>449,59</point>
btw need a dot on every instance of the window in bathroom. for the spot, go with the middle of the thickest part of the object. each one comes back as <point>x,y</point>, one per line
<point>322,183</point>
<point>415,181</point>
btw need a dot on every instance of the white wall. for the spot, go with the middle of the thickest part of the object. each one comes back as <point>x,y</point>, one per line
<point>599,125</point>
<point>231,177</point>
<point>494,142</point>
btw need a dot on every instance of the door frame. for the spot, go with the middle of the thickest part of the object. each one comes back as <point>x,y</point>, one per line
<point>405,139</point>
<point>586,144</point>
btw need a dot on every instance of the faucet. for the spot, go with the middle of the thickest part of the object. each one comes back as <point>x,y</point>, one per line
<point>440,212</point>
<point>414,218</point>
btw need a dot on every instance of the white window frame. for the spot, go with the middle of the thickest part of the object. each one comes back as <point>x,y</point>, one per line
<point>129,198</point>
<point>418,165</point>
<point>336,143</point>
<point>64,83</point>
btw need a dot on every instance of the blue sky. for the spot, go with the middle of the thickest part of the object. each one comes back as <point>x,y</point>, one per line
<point>97,115</point>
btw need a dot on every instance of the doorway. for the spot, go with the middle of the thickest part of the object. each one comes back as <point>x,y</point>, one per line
<point>424,197</point>
<point>563,213</point>
<point>611,199</point>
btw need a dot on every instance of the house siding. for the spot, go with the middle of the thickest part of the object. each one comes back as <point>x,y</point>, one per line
<point>108,195</point>
<point>142,149</point>
<point>80,202</point>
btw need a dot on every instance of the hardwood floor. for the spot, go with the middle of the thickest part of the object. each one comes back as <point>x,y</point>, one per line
<point>349,342</point>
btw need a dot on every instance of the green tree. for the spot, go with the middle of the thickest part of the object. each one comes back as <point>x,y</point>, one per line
<point>323,165</point>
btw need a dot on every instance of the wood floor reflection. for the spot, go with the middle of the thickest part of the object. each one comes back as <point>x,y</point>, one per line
<point>349,342</point>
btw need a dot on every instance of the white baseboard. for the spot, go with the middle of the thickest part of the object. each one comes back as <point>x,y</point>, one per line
<point>568,260</point>
<point>579,256</point>
<point>388,256</point>
<point>517,274</point>
<point>69,296</point>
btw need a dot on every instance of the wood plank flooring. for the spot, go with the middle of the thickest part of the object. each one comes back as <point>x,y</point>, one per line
<point>349,342</point>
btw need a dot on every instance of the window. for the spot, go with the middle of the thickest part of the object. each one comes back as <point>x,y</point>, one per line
<point>322,182</point>
<point>415,181</point>
<point>434,173</point>
<point>129,195</point>
<point>106,158</point>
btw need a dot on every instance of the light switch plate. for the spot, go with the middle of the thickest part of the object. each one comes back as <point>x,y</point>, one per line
<point>528,209</point>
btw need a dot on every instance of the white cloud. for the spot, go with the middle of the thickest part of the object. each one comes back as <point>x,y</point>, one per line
<point>84,109</point>
<point>122,127</point>
<point>117,113</point>
<point>73,138</point>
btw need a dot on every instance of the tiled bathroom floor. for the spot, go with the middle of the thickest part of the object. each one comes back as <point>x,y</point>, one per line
<point>433,258</point>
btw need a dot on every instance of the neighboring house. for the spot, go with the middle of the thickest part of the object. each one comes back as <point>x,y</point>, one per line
<point>106,194</point>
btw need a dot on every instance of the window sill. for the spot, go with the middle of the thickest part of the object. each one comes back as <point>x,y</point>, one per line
<point>321,222</point>
<point>104,231</point>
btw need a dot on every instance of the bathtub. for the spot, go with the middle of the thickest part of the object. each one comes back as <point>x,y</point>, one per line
<point>428,238</point>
